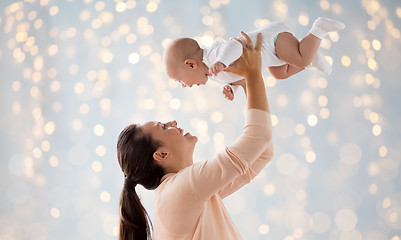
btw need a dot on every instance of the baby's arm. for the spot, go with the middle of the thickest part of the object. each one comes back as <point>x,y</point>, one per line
<point>216,68</point>
<point>228,90</point>
<point>227,54</point>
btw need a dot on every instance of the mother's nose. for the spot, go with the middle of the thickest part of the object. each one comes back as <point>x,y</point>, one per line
<point>173,123</point>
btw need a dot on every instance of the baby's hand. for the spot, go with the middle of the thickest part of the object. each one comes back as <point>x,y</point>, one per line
<point>228,92</point>
<point>216,68</point>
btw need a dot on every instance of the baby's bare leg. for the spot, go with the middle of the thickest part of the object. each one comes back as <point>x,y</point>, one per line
<point>284,71</point>
<point>297,53</point>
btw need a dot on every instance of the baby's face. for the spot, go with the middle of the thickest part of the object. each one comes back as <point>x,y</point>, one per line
<point>189,77</point>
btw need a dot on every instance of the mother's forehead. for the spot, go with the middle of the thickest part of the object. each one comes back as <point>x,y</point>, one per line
<point>150,124</point>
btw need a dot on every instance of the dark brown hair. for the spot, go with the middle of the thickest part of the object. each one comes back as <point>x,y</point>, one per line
<point>135,155</point>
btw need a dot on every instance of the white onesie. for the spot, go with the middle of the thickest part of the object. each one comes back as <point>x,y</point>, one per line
<point>227,52</point>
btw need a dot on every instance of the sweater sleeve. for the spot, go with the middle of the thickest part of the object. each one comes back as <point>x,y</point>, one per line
<point>229,52</point>
<point>252,172</point>
<point>211,176</point>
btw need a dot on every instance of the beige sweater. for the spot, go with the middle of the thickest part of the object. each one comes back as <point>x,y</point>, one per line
<point>188,204</point>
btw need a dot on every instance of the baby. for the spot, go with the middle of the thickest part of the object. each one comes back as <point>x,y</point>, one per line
<point>282,53</point>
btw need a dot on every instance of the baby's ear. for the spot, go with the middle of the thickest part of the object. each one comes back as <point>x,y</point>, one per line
<point>191,64</point>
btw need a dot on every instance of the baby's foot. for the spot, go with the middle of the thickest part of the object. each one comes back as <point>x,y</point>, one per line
<point>228,92</point>
<point>321,64</point>
<point>322,26</point>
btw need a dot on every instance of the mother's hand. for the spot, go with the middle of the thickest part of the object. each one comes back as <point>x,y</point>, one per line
<point>250,60</point>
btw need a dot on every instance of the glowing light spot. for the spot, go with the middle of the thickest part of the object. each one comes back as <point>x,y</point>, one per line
<point>99,6</point>
<point>218,138</point>
<point>50,127</point>
<point>96,23</point>
<point>324,113</point>
<point>105,103</point>
<point>98,130</point>
<point>97,166</point>
<point>264,229</point>
<point>131,38</point>
<point>77,124</point>
<point>202,127</point>
<point>322,100</point>
<point>274,119</point>
<point>303,19</point>
<point>216,117</point>
<point>45,145</point>
<point>398,11</point>
<point>54,212</point>
<point>53,11</point>
<point>393,217</point>
<point>79,88</point>
<point>105,55</point>
<point>52,50</point>
<point>36,152</point>
<point>270,81</point>
<point>324,4</point>
<point>134,58</point>
<point>376,130</point>
<point>376,45</point>
<point>346,61</point>
<point>346,219</point>
<point>322,83</point>
<point>84,109</point>
<point>149,103</point>
<point>207,20</point>
<point>53,161</point>
<point>282,100</point>
<point>386,203</point>
<point>310,157</point>
<point>372,64</point>
<point>57,106</point>
<point>105,196</point>
<point>21,36</point>
<point>280,7</point>
<point>84,15</point>
<point>175,103</point>
<point>269,189</point>
<point>312,120</point>
<point>100,150</point>
<point>372,189</point>
<point>121,6</point>
<point>16,86</point>
<point>383,151</point>
<point>300,129</point>
<point>151,7</point>
<point>207,40</point>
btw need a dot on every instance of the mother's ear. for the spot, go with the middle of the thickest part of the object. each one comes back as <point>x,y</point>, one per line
<point>161,156</point>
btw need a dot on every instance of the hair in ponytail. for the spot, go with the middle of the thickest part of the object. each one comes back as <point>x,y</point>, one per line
<point>135,155</point>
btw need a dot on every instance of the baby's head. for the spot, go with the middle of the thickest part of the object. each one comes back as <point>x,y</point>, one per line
<point>183,61</point>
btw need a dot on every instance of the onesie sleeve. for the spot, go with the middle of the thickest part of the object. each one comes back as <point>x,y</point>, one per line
<point>229,52</point>
<point>209,177</point>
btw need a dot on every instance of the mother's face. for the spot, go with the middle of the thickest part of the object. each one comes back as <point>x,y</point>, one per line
<point>172,138</point>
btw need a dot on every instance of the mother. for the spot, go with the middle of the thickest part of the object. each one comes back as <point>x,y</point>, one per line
<point>188,201</point>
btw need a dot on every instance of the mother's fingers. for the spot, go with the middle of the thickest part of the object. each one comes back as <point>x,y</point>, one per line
<point>248,41</point>
<point>259,42</point>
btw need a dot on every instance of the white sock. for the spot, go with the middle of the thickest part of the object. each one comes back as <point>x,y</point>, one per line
<point>321,64</point>
<point>322,26</point>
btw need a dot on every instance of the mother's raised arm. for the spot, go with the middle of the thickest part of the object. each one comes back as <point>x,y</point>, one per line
<point>249,66</point>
